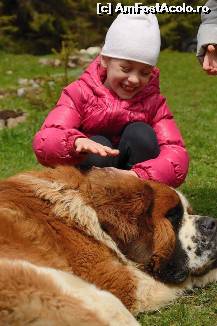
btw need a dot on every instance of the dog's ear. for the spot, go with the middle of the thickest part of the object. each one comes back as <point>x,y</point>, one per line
<point>164,240</point>
<point>164,237</point>
<point>127,211</point>
<point>121,202</point>
<point>126,194</point>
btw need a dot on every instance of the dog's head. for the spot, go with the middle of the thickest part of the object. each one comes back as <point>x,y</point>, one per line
<point>152,225</point>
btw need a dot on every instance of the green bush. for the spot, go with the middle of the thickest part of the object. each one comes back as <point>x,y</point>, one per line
<point>36,26</point>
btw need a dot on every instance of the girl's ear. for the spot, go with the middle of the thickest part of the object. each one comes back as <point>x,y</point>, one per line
<point>104,61</point>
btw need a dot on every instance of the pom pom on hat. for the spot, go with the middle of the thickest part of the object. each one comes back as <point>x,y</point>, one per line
<point>133,37</point>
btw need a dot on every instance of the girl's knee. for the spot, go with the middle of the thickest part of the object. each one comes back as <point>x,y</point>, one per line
<point>141,140</point>
<point>137,129</point>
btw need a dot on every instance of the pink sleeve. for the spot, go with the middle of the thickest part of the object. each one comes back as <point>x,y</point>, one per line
<point>171,165</point>
<point>54,143</point>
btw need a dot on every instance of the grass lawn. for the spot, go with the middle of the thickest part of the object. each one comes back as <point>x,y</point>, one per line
<point>191,95</point>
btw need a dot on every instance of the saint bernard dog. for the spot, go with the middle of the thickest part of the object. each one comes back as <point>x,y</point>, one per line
<point>97,247</point>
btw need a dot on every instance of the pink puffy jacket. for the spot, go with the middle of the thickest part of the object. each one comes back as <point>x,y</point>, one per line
<point>86,108</point>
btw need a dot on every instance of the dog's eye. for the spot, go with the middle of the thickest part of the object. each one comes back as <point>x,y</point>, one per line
<point>174,215</point>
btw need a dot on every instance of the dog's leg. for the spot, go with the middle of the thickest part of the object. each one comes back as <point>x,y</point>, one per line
<point>150,293</point>
<point>36,295</point>
<point>137,290</point>
<point>201,281</point>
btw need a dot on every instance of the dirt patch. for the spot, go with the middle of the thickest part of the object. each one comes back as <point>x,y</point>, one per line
<point>11,118</point>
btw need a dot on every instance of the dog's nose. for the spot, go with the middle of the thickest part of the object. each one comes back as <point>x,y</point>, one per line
<point>207,225</point>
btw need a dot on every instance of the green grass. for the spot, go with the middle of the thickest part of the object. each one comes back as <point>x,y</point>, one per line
<point>15,144</point>
<point>191,96</point>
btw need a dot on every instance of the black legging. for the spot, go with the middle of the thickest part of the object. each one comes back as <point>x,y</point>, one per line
<point>138,143</point>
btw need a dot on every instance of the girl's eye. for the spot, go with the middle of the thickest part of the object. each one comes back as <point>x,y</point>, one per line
<point>145,73</point>
<point>125,69</point>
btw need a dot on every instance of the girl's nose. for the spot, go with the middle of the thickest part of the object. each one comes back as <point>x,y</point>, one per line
<point>133,78</point>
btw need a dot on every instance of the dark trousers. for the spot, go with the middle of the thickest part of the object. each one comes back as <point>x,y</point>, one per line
<point>138,143</point>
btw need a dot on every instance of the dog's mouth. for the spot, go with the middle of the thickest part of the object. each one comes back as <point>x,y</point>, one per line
<point>172,274</point>
<point>177,271</point>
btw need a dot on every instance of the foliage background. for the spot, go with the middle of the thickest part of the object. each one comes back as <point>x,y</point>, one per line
<point>37,26</point>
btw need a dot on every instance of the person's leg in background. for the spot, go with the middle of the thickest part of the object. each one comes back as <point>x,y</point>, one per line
<point>138,143</point>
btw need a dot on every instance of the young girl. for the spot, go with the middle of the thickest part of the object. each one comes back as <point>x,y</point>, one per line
<point>114,114</point>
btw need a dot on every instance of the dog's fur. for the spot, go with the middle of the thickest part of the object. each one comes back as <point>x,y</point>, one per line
<point>72,244</point>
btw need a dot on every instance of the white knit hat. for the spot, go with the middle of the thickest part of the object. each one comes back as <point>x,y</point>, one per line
<point>133,37</point>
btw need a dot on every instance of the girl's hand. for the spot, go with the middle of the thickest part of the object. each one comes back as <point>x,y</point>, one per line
<point>210,60</point>
<point>86,145</point>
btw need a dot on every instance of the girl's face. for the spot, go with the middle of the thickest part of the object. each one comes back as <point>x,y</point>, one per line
<point>126,78</point>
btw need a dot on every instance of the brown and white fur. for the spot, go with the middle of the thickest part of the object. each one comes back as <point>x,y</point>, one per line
<point>87,248</point>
